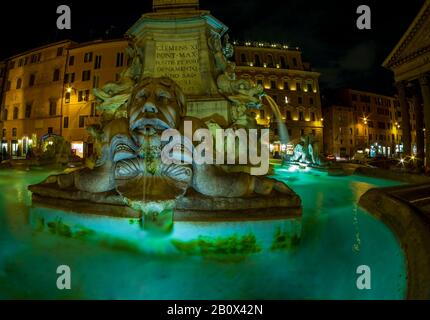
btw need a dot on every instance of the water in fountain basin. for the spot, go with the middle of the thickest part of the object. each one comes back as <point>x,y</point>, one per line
<point>112,258</point>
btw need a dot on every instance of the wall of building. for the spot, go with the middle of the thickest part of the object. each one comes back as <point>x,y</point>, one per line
<point>32,96</point>
<point>339,135</point>
<point>49,91</point>
<point>289,81</point>
<point>364,121</point>
<point>89,65</point>
<point>3,72</point>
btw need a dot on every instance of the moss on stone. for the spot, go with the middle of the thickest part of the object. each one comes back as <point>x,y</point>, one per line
<point>59,228</point>
<point>206,246</point>
<point>284,240</point>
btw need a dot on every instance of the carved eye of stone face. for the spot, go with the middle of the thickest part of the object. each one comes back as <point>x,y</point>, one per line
<point>163,96</point>
<point>142,94</point>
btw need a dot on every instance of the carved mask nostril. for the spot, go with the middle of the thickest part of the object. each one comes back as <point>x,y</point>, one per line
<point>150,108</point>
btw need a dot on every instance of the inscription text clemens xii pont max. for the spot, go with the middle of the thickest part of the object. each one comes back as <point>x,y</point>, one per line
<point>179,61</point>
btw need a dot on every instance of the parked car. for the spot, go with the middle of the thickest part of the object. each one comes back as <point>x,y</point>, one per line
<point>329,158</point>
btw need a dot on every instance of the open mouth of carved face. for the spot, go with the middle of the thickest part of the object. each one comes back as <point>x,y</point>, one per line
<point>149,126</point>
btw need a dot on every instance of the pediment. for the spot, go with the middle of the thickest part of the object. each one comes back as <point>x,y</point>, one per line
<point>415,42</point>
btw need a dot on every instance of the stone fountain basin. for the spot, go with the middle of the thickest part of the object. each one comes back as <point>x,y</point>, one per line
<point>190,207</point>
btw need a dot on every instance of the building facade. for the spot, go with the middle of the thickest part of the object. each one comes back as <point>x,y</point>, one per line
<point>2,79</point>
<point>2,83</point>
<point>48,92</point>
<point>290,82</point>
<point>32,97</point>
<point>364,122</point>
<point>410,63</point>
<point>89,65</point>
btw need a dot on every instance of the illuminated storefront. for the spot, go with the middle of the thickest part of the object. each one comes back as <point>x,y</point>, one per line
<point>78,148</point>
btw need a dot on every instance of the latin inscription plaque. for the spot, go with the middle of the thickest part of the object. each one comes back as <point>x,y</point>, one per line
<point>180,61</point>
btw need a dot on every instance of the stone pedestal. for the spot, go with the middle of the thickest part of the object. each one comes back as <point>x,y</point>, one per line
<point>175,45</point>
<point>192,207</point>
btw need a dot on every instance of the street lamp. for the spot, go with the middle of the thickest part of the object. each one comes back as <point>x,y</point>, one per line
<point>366,133</point>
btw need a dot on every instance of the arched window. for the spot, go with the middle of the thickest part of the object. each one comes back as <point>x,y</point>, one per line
<point>5,114</point>
<point>18,83</point>
<point>257,61</point>
<point>283,63</point>
<point>243,58</point>
<point>15,113</point>
<point>270,61</point>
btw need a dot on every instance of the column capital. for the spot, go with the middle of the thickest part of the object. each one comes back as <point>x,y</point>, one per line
<point>401,89</point>
<point>424,79</point>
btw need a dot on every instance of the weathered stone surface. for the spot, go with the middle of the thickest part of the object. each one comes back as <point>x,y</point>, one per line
<point>191,207</point>
<point>85,207</point>
<point>52,191</point>
<point>412,229</point>
<point>392,175</point>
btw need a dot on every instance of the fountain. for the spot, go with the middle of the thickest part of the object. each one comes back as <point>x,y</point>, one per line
<point>179,76</point>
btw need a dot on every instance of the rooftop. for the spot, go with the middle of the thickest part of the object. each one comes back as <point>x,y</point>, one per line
<point>265,45</point>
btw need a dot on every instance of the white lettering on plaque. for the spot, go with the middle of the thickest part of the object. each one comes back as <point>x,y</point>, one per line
<point>180,61</point>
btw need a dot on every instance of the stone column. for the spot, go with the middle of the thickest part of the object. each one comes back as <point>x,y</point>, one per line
<point>425,91</point>
<point>406,121</point>
<point>419,123</point>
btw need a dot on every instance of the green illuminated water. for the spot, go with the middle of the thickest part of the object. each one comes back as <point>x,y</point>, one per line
<point>315,258</point>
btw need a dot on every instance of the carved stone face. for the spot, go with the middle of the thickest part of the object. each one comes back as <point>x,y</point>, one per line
<point>156,104</point>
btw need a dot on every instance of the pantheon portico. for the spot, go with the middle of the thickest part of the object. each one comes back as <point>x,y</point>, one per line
<point>410,62</point>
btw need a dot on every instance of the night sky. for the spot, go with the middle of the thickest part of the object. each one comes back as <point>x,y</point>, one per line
<point>324,30</point>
